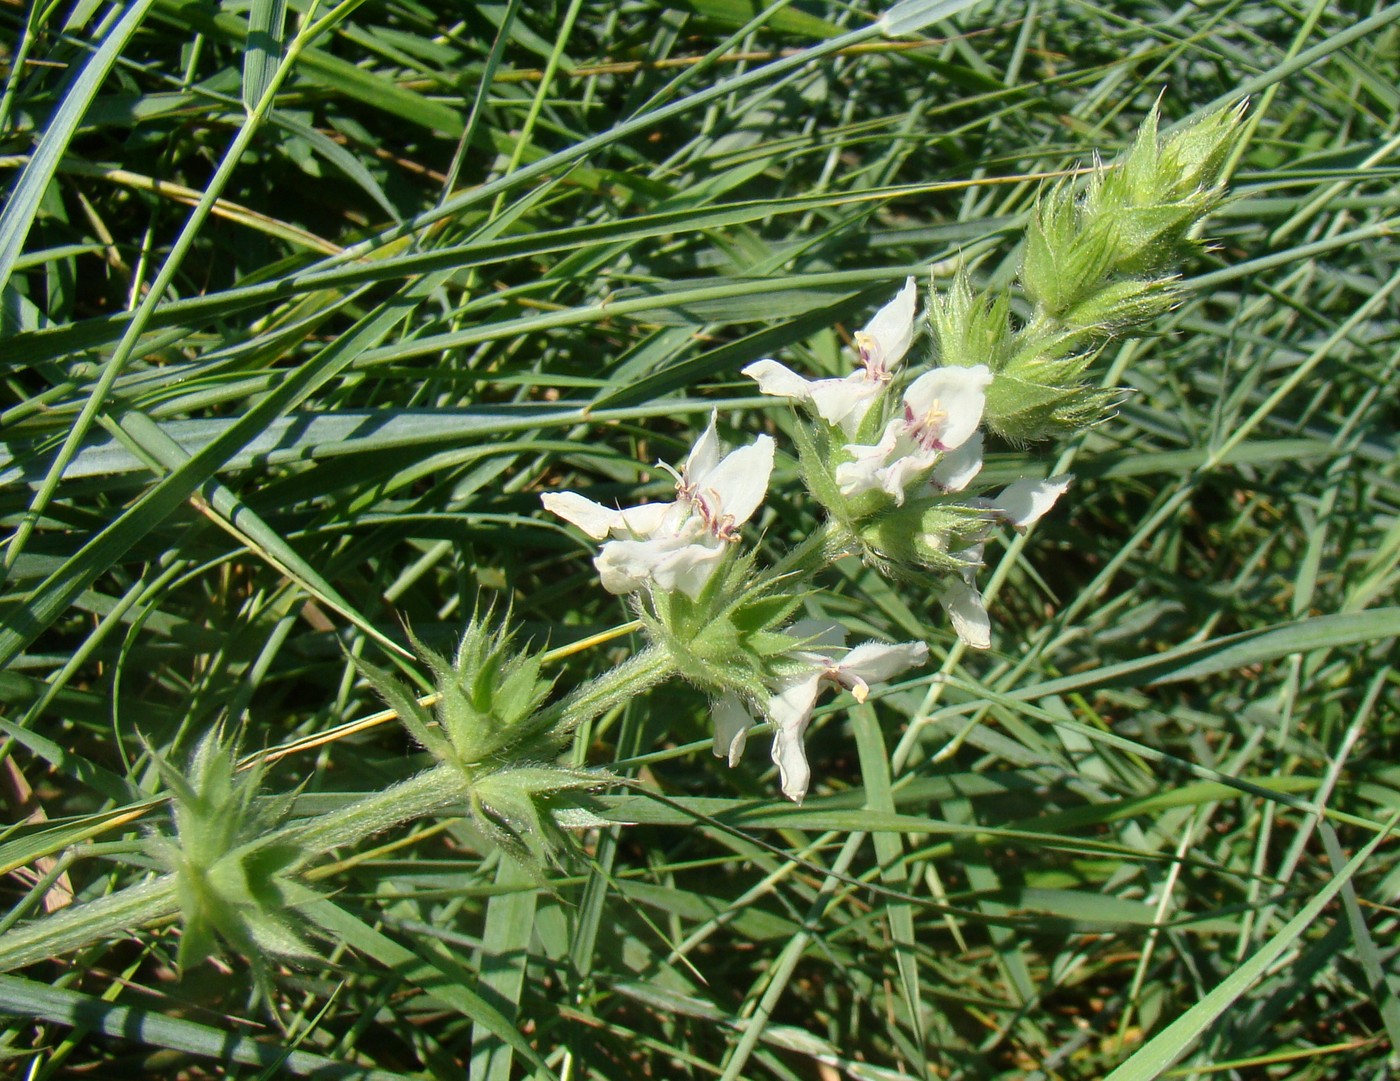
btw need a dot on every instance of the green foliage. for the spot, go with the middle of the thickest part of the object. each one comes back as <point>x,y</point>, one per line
<point>489,695</point>
<point>488,723</point>
<point>511,806</point>
<point>969,329</point>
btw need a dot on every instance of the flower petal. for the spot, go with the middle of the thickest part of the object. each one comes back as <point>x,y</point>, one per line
<point>626,566</point>
<point>896,477</point>
<point>1025,501</point>
<point>967,613</point>
<point>645,521</point>
<point>735,488</point>
<point>956,469</point>
<point>886,338</point>
<point>687,569</point>
<point>778,380</point>
<point>593,518</point>
<point>791,712</point>
<point>863,472</point>
<point>843,403</point>
<point>732,724</point>
<point>703,456</point>
<point>875,662</point>
<point>599,521</point>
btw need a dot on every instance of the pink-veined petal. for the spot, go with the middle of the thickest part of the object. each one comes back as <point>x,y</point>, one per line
<point>946,404</point>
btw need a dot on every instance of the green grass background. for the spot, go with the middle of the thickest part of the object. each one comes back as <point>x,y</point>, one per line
<point>304,308</point>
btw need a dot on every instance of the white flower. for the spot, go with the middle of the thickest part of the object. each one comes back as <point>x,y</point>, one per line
<point>676,546</point>
<point>1019,505</point>
<point>844,402</point>
<point>963,603</point>
<point>942,410</point>
<point>1026,501</point>
<point>823,658</point>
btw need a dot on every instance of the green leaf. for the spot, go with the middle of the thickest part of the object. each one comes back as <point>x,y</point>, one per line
<point>44,1002</point>
<point>263,48</point>
<point>23,202</point>
<point>1169,1045</point>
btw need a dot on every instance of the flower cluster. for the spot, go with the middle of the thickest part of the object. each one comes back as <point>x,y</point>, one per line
<point>730,639</point>
<point>893,455</point>
<point>927,448</point>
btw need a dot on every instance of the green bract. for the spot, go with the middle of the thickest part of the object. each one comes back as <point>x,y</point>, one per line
<point>487,703</point>
<point>1100,265</point>
<point>233,877</point>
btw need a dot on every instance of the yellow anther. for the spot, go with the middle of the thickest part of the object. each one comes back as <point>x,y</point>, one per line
<point>935,413</point>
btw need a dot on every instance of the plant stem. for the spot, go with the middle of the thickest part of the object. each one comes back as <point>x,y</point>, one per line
<point>78,925</point>
<point>429,792</point>
<point>426,793</point>
<point>812,554</point>
<point>627,680</point>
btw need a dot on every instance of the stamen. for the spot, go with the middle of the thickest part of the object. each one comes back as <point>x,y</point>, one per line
<point>874,368</point>
<point>683,489</point>
<point>927,430</point>
<point>721,526</point>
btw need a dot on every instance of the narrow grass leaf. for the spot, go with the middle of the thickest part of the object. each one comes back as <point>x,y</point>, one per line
<point>267,20</point>
<point>44,1002</point>
<point>23,202</point>
<point>1169,1045</point>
